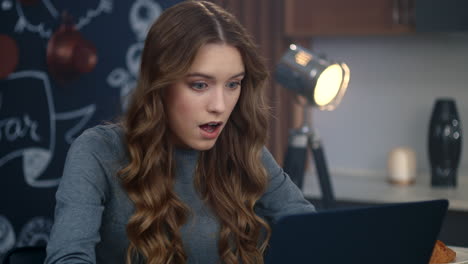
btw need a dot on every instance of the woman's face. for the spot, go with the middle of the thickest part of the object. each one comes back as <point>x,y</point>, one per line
<point>199,104</point>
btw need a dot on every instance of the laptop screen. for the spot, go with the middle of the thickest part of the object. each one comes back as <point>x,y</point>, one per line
<point>394,234</point>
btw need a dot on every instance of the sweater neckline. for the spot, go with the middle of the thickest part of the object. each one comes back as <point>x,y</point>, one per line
<point>186,154</point>
<point>186,162</point>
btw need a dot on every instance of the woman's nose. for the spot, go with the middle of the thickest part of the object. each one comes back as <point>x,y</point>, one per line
<point>217,101</point>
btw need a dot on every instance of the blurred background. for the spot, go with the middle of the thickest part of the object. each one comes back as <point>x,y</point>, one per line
<point>403,55</point>
<point>395,81</point>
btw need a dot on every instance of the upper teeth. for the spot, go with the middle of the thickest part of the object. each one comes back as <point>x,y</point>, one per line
<point>212,124</point>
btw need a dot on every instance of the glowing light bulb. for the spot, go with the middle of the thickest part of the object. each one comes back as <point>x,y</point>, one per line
<point>328,85</point>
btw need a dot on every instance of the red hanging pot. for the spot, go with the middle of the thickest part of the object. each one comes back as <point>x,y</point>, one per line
<point>8,55</point>
<point>69,55</point>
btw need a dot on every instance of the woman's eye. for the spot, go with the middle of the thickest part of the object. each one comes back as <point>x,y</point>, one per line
<point>198,85</point>
<point>233,85</point>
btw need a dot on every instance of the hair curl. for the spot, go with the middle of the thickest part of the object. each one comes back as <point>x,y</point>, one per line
<point>230,176</point>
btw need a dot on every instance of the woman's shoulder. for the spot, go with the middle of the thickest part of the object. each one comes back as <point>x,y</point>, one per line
<point>100,137</point>
<point>267,158</point>
<point>107,132</point>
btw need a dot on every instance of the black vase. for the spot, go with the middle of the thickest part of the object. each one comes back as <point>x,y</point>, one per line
<point>445,143</point>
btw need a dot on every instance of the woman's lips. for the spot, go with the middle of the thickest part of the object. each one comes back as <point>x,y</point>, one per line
<point>210,130</point>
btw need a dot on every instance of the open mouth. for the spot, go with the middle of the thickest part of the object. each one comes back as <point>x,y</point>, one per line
<point>211,127</point>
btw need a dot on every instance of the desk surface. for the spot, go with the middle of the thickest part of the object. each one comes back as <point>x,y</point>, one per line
<point>462,255</point>
<point>376,189</point>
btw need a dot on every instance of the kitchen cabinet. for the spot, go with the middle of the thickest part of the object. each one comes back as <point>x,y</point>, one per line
<point>307,18</point>
<point>304,18</point>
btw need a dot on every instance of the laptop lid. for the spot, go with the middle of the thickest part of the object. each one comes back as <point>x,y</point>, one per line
<point>403,233</point>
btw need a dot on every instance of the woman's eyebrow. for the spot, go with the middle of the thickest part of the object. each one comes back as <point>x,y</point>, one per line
<point>238,75</point>
<point>206,76</point>
<point>196,74</point>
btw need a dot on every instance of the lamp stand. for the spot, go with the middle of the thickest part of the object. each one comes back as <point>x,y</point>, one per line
<point>300,140</point>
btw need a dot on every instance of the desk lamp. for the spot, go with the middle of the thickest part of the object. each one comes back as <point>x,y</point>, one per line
<point>322,83</point>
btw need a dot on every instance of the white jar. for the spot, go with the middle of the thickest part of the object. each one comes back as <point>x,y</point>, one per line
<point>401,166</point>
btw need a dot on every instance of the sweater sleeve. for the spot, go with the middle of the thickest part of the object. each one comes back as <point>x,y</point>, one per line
<point>282,196</point>
<point>79,202</point>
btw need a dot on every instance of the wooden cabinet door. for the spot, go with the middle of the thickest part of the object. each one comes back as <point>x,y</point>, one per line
<point>305,18</point>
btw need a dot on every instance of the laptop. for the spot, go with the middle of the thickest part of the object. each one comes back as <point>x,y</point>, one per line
<point>402,233</point>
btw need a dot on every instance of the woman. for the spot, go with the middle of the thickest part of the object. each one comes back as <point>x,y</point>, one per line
<point>185,177</point>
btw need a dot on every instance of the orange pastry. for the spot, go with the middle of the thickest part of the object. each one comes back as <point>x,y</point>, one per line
<point>442,254</point>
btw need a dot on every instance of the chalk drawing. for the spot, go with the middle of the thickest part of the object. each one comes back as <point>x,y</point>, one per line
<point>50,8</point>
<point>13,128</point>
<point>35,232</point>
<point>7,235</point>
<point>141,16</point>
<point>6,5</point>
<point>36,158</point>
<point>133,57</point>
<point>85,113</point>
<point>23,24</point>
<point>105,6</point>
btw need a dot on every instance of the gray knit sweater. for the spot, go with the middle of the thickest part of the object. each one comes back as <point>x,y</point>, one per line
<point>92,209</point>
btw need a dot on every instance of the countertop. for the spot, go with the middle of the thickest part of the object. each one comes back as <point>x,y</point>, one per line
<point>368,188</point>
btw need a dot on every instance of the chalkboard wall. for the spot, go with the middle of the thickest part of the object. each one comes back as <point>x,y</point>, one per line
<point>40,117</point>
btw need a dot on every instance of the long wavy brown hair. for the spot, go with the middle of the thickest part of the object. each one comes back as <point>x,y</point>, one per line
<point>230,177</point>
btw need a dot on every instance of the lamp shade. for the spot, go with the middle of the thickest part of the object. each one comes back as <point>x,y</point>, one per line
<point>322,82</point>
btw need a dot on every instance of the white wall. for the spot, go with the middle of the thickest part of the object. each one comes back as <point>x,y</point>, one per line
<point>394,83</point>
